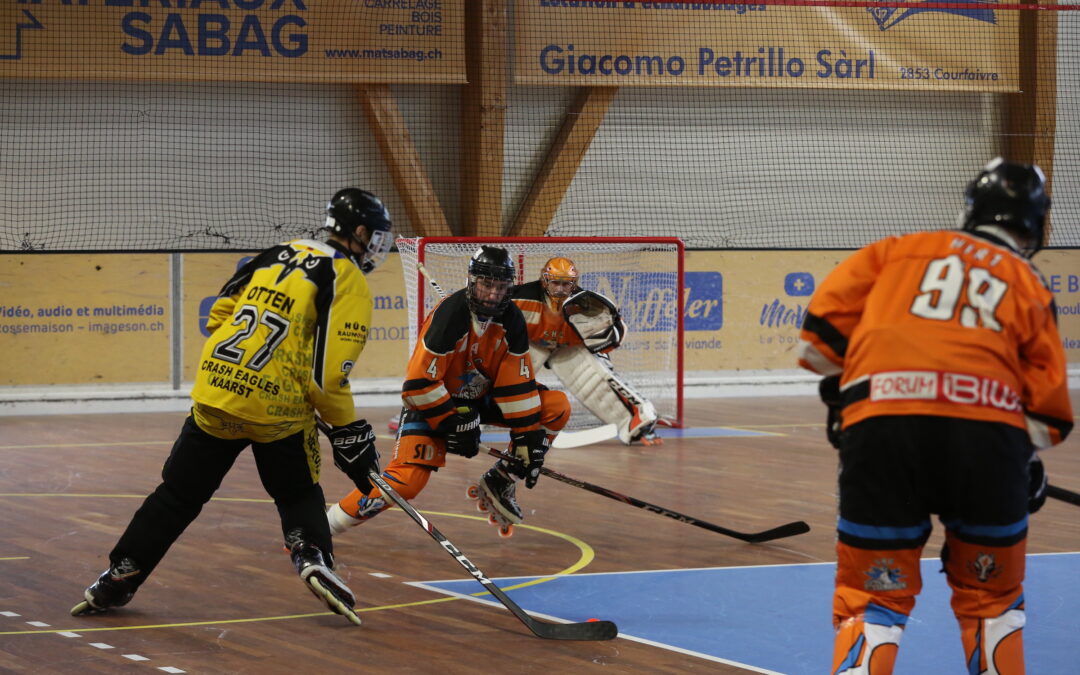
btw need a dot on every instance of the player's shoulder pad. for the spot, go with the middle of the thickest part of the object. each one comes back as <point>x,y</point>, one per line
<point>517,331</point>
<point>243,273</point>
<point>530,290</point>
<point>449,323</point>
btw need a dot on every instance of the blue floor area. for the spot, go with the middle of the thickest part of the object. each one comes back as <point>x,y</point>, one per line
<point>778,618</point>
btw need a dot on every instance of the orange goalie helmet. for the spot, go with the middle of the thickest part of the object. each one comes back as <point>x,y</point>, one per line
<point>561,271</point>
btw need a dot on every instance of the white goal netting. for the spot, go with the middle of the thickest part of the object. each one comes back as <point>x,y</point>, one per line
<point>642,276</point>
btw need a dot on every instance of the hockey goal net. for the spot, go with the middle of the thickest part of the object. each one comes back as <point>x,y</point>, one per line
<point>643,276</point>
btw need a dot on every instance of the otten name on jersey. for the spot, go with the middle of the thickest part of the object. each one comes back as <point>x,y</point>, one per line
<point>944,386</point>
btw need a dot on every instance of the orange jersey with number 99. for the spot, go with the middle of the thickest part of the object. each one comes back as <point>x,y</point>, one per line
<point>944,323</point>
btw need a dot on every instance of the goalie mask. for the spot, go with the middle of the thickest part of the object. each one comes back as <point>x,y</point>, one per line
<point>1010,195</point>
<point>351,209</point>
<point>559,278</point>
<point>491,275</point>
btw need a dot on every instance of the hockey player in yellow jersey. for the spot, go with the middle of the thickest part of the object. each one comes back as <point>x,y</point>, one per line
<point>285,333</point>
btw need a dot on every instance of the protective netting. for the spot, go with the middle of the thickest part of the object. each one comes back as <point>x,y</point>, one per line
<point>784,124</point>
<point>641,276</point>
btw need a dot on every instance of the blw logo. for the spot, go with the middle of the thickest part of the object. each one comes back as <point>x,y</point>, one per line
<point>646,300</point>
<point>887,17</point>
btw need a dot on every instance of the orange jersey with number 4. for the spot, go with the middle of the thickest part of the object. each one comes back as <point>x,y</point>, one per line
<point>458,358</point>
<point>941,323</point>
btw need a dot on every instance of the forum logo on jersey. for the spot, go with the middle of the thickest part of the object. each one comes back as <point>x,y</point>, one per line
<point>887,17</point>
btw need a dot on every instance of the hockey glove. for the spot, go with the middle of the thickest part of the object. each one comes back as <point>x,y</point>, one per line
<point>462,430</point>
<point>530,448</point>
<point>1037,483</point>
<point>595,319</point>
<point>829,391</point>
<point>355,453</point>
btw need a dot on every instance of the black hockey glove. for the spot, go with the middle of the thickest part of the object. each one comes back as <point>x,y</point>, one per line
<point>530,448</point>
<point>829,391</point>
<point>462,430</point>
<point>355,453</point>
<point>1036,483</point>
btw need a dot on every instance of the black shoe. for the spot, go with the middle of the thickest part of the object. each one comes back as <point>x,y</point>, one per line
<point>502,493</point>
<point>114,588</point>
<point>316,570</point>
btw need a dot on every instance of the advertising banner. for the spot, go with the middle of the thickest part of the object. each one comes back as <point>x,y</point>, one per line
<point>105,318</point>
<point>373,41</point>
<point>84,319</point>
<point>920,45</point>
<point>748,315</point>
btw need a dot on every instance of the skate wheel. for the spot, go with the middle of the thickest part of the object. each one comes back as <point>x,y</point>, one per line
<point>494,521</point>
<point>81,608</point>
<point>473,492</point>
<point>506,531</point>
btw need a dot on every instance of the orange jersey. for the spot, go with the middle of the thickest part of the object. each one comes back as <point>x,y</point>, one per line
<point>945,323</point>
<point>544,317</point>
<point>458,358</point>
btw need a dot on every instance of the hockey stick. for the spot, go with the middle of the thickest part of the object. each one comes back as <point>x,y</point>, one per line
<point>588,630</point>
<point>576,439</point>
<point>1062,494</point>
<point>786,530</point>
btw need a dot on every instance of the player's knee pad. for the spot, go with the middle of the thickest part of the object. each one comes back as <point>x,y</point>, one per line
<point>986,580</point>
<point>593,381</point>
<point>554,411</point>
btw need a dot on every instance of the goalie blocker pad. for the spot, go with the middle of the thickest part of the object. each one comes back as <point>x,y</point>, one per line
<point>595,320</point>
<point>592,379</point>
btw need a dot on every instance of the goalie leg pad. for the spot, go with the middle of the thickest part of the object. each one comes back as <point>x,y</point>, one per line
<point>593,381</point>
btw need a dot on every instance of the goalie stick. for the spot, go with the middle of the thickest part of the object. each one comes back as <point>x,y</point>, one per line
<point>588,630</point>
<point>565,439</point>
<point>786,530</point>
<point>576,439</point>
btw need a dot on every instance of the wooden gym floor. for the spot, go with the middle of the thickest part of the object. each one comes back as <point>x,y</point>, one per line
<point>226,599</point>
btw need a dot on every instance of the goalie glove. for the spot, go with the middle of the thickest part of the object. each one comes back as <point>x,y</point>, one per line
<point>529,447</point>
<point>595,319</point>
<point>462,431</point>
<point>355,453</point>
<point>1037,482</point>
<point>829,391</point>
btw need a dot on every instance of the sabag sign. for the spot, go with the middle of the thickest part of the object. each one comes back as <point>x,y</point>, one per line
<point>648,301</point>
<point>388,41</point>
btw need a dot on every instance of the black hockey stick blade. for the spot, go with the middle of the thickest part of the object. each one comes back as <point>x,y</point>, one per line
<point>587,630</point>
<point>785,530</point>
<point>1062,494</point>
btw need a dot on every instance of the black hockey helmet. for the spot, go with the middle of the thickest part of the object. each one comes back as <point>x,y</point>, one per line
<point>1011,195</point>
<point>352,208</point>
<point>494,266</point>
